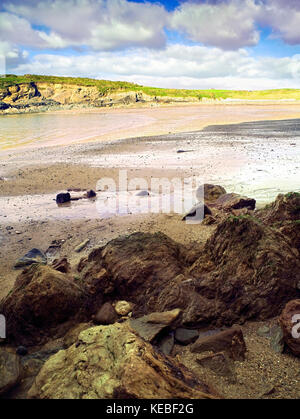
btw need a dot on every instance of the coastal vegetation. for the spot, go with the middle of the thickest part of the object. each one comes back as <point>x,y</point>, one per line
<point>106,87</point>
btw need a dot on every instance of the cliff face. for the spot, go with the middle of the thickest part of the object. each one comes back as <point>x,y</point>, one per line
<point>38,96</point>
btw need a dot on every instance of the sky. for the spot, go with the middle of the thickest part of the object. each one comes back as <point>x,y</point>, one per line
<point>192,44</point>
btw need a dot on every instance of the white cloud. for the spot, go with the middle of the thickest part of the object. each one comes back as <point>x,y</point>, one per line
<point>99,24</point>
<point>177,66</point>
<point>283,16</point>
<point>228,24</point>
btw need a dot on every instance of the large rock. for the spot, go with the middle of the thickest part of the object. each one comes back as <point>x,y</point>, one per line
<point>290,324</point>
<point>247,270</point>
<point>112,362</point>
<point>42,299</point>
<point>10,371</point>
<point>284,214</point>
<point>134,267</point>
<point>284,208</point>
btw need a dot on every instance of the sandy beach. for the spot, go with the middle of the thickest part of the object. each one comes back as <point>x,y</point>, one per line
<point>42,155</point>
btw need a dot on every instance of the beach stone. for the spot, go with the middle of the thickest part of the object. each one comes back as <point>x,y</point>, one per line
<point>231,341</point>
<point>197,212</point>
<point>10,371</point>
<point>210,193</point>
<point>148,327</point>
<point>112,362</point>
<point>220,364</point>
<point>106,315</point>
<point>263,331</point>
<point>62,198</point>
<point>81,246</point>
<point>33,256</point>
<point>186,336</point>
<point>142,193</point>
<point>290,324</point>
<point>21,350</point>
<point>91,194</point>
<point>41,300</point>
<point>123,308</point>
<point>277,341</point>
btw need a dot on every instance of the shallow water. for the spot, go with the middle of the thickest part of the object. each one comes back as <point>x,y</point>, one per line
<point>61,128</point>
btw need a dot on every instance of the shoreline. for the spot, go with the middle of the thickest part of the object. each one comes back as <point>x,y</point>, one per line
<point>160,120</point>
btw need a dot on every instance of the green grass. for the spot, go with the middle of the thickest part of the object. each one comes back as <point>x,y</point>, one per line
<point>105,87</point>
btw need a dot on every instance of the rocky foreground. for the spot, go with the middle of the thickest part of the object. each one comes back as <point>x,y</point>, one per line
<point>146,317</point>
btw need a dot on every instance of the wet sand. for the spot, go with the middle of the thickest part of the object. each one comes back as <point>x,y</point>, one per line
<point>260,160</point>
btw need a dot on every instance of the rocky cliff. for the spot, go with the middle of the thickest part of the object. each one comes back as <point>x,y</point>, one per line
<point>41,96</point>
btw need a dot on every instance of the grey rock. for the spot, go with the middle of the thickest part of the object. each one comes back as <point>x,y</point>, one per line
<point>264,331</point>
<point>186,336</point>
<point>166,344</point>
<point>142,193</point>
<point>10,371</point>
<point>33,256</point>
<point>277,341</point>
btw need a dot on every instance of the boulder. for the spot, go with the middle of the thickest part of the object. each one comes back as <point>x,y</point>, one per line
<point>246,271</point>
<point>290,324</point>
<point>111,362</point>
<point>133,268</point>
<point>33,256</point>
<point>91,194</point>
<point>210,193</point>
<point>233,201</point>
<point>62,198</point>
<point>149,327</point>
<point>284,208</point>
<point>106,315</point>
<point>230,341</point>
<point>41,299</point>
<point>10,371</point>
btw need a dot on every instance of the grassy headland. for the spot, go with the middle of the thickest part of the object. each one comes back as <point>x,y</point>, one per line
<point>105,87</point>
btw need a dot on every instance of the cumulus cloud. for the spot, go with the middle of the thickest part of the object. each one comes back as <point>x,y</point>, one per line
<point>225,24</point>
<point>99,24</point>
<point>177,66</point>
<point>283,16</point>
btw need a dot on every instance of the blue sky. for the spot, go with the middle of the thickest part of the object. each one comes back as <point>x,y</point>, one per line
<point>234,44</point>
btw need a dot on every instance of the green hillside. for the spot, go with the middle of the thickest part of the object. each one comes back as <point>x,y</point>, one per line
<point>106,87</point>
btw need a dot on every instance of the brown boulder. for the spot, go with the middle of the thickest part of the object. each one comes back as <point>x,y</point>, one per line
<point>230,341</point>
<point>41,300</point>
<point>112,362</point>
<point>284,208</point>
<point>246,270</point>
<point>290,324</point>
<point>134,267</point>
